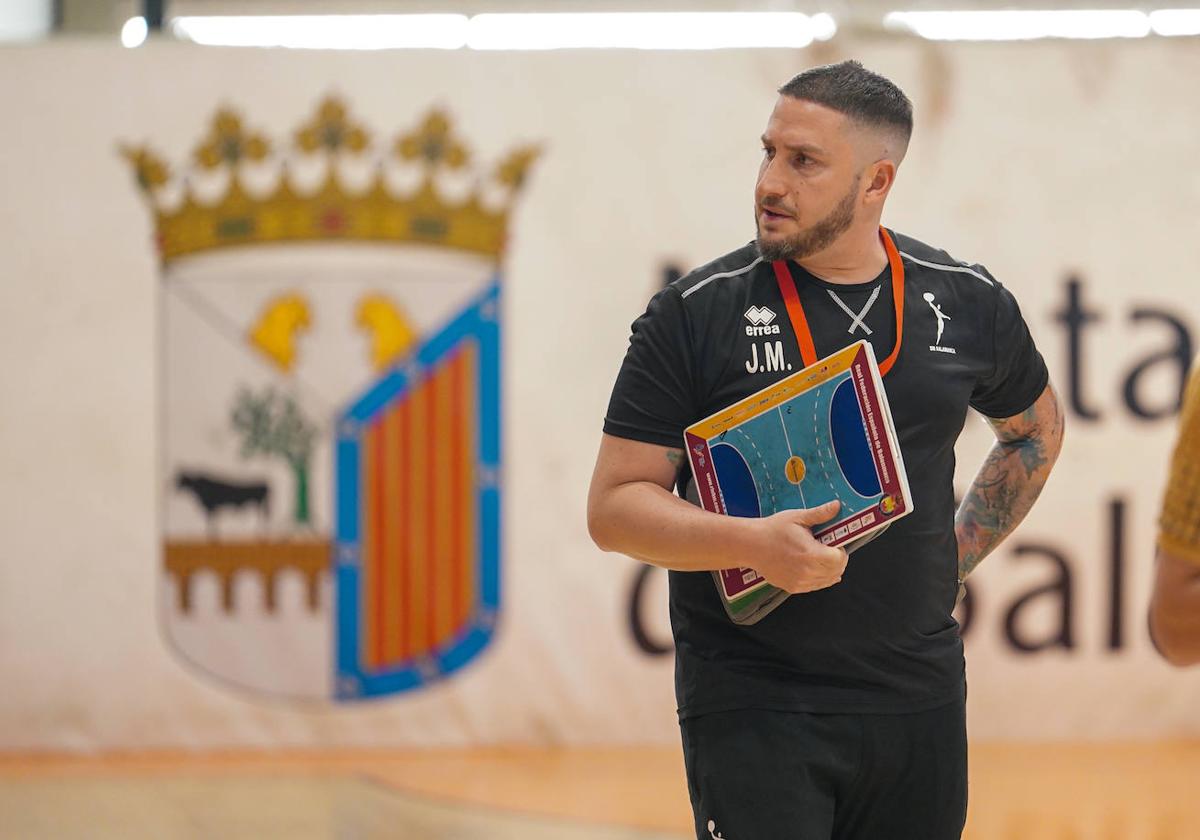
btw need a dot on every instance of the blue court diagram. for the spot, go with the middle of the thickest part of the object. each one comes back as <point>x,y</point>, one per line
<point>823,428</point>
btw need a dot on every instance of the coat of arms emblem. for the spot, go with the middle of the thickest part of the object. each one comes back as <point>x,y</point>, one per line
<point>330,403</point>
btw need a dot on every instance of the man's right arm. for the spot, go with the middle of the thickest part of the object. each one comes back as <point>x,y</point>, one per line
<point>632,510</point>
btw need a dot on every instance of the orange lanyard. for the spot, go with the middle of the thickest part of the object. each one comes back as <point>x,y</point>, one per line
<point>791,298</point>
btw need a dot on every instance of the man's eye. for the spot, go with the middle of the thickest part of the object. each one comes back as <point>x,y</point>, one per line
<point>802,160</point>
<point>768,152</point>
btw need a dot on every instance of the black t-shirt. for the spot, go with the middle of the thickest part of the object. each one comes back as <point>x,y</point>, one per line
<point>882,640</point>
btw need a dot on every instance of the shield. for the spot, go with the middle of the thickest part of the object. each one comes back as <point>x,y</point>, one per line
<point>330,374</point>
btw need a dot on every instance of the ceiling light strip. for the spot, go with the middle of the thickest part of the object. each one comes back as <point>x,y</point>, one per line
<point>1013,25</point>
<point>515,31</point>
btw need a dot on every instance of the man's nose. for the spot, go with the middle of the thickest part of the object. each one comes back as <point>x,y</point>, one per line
<point>769,181</point>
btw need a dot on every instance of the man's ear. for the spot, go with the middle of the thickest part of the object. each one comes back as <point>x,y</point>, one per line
<point>879,177</point>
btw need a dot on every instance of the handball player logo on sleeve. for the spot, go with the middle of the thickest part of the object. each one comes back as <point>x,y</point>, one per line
<point>330,375</point>
<point>942,318</point>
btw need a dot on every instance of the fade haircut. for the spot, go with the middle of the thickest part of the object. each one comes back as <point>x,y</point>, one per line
<point>864,97</point>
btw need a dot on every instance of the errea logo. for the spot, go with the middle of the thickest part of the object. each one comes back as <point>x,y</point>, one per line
<point>760,316</point>
<point>760,319</point>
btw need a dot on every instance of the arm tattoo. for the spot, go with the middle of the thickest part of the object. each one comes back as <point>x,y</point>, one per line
<point>1010,480</point>
<point>675,456</point>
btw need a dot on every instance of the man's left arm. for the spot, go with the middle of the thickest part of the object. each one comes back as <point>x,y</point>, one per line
<point>1010,480</point>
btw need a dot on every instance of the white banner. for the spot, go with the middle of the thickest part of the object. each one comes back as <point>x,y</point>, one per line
<point>1063,168</point>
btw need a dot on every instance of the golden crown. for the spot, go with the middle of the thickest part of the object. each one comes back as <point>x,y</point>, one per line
<point>188,224</point>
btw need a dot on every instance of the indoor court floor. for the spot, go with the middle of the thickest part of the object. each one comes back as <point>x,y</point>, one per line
<point>1018,792</point>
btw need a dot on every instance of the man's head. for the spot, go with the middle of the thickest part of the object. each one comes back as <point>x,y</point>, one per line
<point>830,154</point>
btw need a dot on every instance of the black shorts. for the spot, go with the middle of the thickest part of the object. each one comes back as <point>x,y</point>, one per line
<point>764,775</point>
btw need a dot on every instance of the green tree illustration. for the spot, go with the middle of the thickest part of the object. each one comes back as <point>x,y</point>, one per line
<point>272,424</point>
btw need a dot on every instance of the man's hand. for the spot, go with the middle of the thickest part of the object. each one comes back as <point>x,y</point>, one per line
<point>790,558</point>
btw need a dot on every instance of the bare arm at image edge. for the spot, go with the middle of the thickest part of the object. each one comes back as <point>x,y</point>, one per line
<point>1175,604</point>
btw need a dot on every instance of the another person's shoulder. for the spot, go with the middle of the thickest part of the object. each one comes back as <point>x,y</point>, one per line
<point>720,276</point>
<point>1188,446</point>
<point>1191,394</point>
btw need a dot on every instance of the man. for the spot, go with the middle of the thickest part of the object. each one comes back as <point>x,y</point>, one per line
<point>841,713</point>
<point>1175,605</point>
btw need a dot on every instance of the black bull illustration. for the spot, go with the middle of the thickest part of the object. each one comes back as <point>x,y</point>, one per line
<point>213,494</point>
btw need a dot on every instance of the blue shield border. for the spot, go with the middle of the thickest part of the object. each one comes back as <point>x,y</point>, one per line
<point>480,321</point>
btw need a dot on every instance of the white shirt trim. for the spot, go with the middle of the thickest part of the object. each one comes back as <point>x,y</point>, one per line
<point>720,276</point>
<point>960,268</point>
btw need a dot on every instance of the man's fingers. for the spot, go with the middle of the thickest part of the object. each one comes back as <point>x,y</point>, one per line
<point>835,559</point>
<point>827,565</point>
<point>817,515</point>
<point>832,560</point>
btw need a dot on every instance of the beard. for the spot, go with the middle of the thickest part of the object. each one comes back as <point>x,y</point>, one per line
<point>813,239</point>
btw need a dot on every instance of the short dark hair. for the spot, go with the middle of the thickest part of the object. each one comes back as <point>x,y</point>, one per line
<point>853,90</point>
